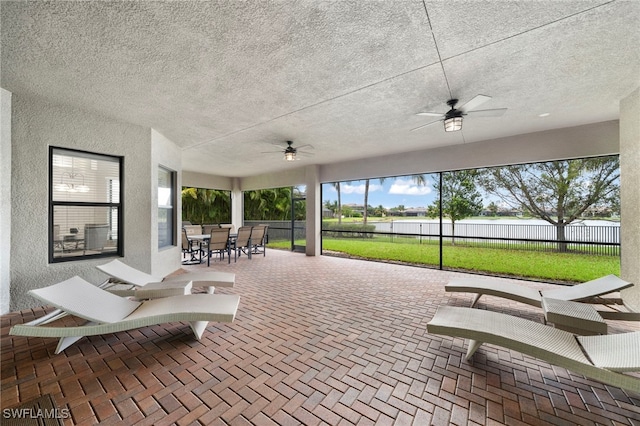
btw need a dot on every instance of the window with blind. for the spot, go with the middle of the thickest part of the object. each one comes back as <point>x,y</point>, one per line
<point>85,213</point>
<point>166,212</point>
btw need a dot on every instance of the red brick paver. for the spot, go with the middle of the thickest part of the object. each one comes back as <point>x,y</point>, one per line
<point>316,341</point>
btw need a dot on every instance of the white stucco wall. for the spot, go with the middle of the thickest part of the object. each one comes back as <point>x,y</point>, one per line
<point>630,196</point>
<point>5,201</point>
<point>582,141</point>
<point>314,215</point>
<point>168,155</point>
<point>201,180</point>
<point>38,124</point>
<point>287,177</point>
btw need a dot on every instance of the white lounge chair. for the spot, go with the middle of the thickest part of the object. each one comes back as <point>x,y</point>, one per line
<point>604,358</point>
<point>125,274</point>
<point>109,313</point>
<point>576,293</point>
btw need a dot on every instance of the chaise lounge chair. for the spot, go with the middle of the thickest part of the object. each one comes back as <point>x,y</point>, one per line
<point>577,293</point>
<point>109,313</point>
<point>602,358</point>
<point>125,274</point>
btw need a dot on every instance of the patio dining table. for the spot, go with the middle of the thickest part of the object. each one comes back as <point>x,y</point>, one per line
<point>203,239</point>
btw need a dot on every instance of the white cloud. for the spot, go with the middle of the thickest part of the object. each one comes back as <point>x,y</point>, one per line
<point>358,189</point>
<point>407,187</point>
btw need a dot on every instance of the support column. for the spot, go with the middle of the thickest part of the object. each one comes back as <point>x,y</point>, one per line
<point>630,196</point>
<point>237,204</point>
<point>314,211</point>
<point>5,195</point>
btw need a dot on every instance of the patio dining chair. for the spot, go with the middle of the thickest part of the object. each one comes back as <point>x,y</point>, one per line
<point>194,247</point>
<point>218,244</point>
<point>258,239</point>
<point>188,247</point>
<point>242,242</point>
<point>206,229</point>
<point>232,229</point>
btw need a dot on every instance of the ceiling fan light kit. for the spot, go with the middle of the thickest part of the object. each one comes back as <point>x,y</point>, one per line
<point>453,124</point>
<point>452,119</point>
<point>291,153</point>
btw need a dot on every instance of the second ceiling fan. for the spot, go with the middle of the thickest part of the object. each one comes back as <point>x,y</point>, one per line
<point>453,118</point>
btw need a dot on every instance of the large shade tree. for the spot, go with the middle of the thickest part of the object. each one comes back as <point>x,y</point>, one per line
<point>460,198</point>
<point>558,192</point>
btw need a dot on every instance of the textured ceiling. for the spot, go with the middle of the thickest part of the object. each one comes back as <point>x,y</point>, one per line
<point>227,80</point>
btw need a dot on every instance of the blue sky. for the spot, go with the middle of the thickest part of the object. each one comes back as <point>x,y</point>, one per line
<point>391,193</point>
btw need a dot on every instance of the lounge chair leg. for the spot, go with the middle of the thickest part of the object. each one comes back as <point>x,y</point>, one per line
<point>475,299</point>
<point>210,289</point>
<point>50,317</point>
<point>65,342</point>
<point>198,327</point>
<point>473,347</point>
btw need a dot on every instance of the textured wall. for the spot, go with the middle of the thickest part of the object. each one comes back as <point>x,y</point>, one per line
<point>288,177</point>
<point>38,124</point>
<point>570,142</point>
<point>168,155</point>
<point>630,195</point>
<point>314,215</point>
<point>200,180</point>
<point>5,203</point>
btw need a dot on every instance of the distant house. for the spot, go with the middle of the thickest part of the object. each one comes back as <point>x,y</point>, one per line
<point>355,208</point>
<point>415,212</point>
<point>410,212</point>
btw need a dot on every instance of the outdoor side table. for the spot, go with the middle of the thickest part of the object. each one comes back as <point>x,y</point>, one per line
<point>163,289</point>
<point>574,317</point>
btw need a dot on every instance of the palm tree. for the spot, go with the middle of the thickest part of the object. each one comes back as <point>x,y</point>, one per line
<point>366,198</point>
<point>336,185</point>
<point>201,205</point>
<point>419,180</point>
<point>267,204</point>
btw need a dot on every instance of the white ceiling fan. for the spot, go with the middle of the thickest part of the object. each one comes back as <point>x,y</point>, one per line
<point>453,118</point>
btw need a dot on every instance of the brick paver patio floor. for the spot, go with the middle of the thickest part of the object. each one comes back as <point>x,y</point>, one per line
<point>317,340</point>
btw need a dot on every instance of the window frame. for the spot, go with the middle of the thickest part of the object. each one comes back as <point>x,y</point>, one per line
<point>173,175</point>
<point>52,204</point>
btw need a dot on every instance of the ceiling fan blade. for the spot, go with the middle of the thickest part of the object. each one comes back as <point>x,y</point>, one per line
<point>431,114</point>
<point>488,112</point>
<point>280,144</point>
<point>271,152</point>
<point>425,125</point>
<point>304,146</point>
<point>475,103</point>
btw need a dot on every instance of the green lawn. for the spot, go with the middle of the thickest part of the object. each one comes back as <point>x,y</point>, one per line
<point>548,266</point>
